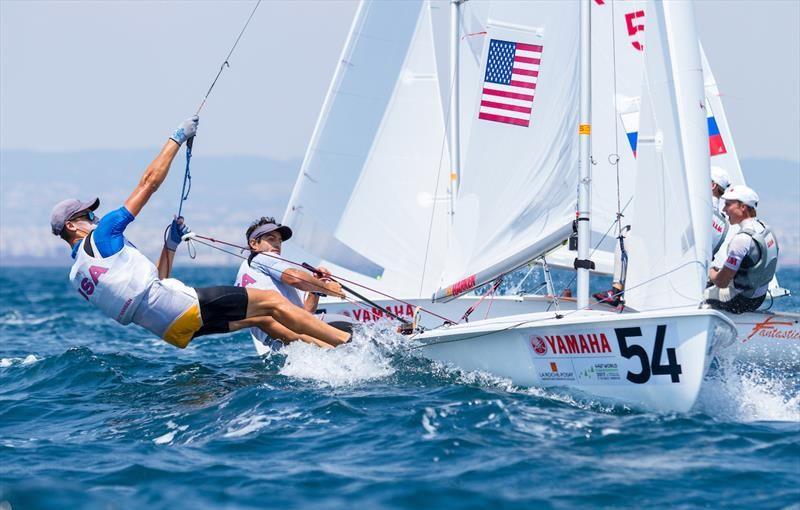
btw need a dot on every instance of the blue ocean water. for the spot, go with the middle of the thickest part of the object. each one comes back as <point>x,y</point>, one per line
<point>96,415</point>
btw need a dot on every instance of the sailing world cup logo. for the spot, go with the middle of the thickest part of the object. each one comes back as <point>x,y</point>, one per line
<point>539,345</point>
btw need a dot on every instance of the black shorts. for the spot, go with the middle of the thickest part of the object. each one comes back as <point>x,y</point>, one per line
<point>220,306</point>
<point>739,304</point>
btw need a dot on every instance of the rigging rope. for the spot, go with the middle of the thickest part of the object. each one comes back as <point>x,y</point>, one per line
<point>187,175</point>
<point>239,255</point>
<point>303,265</point>
<point>556,316</point>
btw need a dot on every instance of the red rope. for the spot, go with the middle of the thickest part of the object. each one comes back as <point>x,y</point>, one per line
<point>299,264</point>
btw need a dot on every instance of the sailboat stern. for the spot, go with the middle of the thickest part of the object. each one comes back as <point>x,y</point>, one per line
<point>652,360</point>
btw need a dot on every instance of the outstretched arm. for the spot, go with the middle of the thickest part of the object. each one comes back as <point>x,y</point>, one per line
<point>157,170</point>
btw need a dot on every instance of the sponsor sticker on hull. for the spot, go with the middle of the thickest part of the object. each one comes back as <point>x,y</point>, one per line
<point>643,354</point>
<point>555,371</point>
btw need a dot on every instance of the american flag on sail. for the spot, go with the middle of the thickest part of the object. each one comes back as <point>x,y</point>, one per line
<point>512,69</point>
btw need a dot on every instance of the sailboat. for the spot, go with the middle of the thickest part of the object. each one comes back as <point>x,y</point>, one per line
<point>657,356</point>
<point>373,198</point>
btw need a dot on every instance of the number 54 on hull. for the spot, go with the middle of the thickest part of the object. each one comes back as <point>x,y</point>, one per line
<point>655,360</point>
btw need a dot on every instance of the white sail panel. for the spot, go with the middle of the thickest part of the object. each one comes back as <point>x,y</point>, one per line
<point>519,182</point>
<point>722,150</point>
<point>617,71</point>
<point>669,245</point>
<point>365,196</point>
<point>397,212</point>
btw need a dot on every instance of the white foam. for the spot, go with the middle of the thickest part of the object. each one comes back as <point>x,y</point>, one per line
<point>366,358</point>
<point>429,423</point>
<point>747,393</point>
<point>166,438</point>
<point>17,319</point>
<point>27,360</point>
<point>248,423</point>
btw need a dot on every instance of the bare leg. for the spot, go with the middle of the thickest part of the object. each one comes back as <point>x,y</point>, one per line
<point>271,303</point>
<point>275,330</point>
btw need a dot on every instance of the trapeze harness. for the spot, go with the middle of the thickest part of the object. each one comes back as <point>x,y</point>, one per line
<point>125,287</point>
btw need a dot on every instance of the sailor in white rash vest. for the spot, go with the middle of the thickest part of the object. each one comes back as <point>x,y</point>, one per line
<point>263,271</point>
<point>111,273</point>
<point>752,258</point>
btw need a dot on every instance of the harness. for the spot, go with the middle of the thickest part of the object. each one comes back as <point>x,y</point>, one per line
<point>759,265</point>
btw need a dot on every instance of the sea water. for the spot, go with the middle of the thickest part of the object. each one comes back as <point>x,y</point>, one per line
<point>96,415</point>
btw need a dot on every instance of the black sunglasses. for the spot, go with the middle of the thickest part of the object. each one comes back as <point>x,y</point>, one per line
<point>84,214</point>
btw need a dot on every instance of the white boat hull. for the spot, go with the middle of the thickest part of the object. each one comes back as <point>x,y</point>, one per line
<point>772,336</point>
<point>603,354</point>
<point>499,306</point>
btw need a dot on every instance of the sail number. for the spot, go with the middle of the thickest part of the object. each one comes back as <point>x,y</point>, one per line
<point>649,367</point>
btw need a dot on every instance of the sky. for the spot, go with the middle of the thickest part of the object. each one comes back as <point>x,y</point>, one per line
<point>107,82</point>
<point>120,75</point>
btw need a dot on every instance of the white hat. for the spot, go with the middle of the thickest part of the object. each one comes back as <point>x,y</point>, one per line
<point>743,194</point>
<point>720,177</point>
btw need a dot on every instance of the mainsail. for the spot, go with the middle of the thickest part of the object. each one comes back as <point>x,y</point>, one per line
<point>669,244</point>
<point>517,194</point>
<point>367,200</point>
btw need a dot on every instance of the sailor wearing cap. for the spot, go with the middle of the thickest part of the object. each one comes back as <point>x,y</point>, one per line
<point>752,257</point>
<point>720,181</point>
<point>719,223</point>
<point>113,275</point>
<point>262,271</point>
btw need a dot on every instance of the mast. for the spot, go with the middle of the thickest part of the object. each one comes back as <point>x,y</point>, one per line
<point>582,263</point>
<point>455,114</point>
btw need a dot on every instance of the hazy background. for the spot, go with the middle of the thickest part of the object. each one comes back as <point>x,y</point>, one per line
<point>89,91</point>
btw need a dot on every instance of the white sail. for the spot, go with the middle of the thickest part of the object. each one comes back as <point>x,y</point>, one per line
<point>517,192</point>
<point>617,71</point>
<point>721,146</point>
<point>366,200</point>
<point>669,244</point>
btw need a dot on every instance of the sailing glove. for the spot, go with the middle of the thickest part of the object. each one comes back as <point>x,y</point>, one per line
<point>186,130</point>
<point>177,230</point>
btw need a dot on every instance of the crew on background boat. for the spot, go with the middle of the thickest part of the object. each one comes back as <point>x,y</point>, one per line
<point>742,282</point>
<point>113,275</point>
<point>720,181</point>
<point>262,271</point>
<point>719,223</point>
<point>719,231</point>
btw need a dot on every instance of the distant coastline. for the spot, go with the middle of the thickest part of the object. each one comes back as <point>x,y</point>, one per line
<point>229,192</point>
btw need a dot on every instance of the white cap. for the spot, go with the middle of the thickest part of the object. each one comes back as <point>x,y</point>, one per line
<point>743,194</point>
<point>720,177</point>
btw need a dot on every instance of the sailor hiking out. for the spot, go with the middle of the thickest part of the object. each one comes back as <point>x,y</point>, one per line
<point>752,258</point>
<point>113,275</point>
<point>264,271</point>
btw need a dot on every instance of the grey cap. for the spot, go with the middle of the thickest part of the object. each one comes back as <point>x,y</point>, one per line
<point>266,228</point>
<point>68,208</point>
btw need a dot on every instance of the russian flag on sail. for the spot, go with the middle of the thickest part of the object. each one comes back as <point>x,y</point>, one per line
<point>715,144</point>
<point>630,123</point>
<point>512,69</point>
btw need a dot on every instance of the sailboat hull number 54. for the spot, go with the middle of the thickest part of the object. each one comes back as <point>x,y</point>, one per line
<point>591,357</point>
<point>672,368</point>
